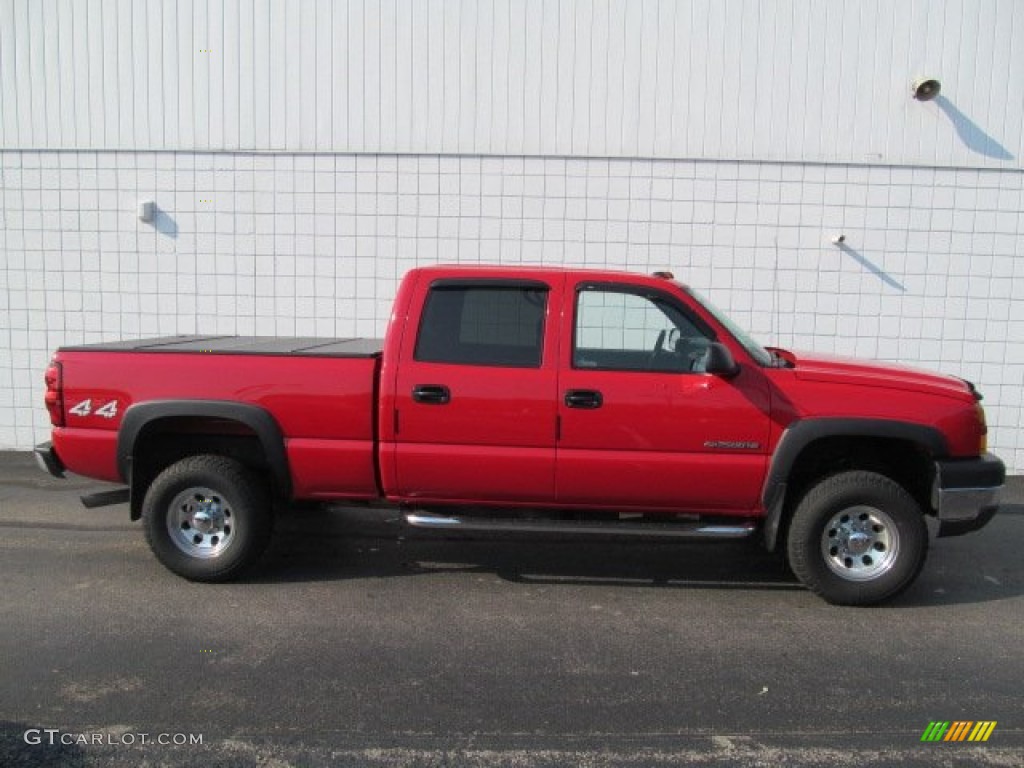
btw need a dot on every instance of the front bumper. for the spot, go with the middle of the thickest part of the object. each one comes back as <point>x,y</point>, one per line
<point>966,493</point>
<point>48,460</point>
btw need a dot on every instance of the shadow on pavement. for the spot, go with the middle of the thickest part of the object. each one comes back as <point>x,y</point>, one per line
<point>310,547</point>
<point>321,545</point>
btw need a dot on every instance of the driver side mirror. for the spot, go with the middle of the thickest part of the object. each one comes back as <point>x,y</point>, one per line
<point>720,361</point>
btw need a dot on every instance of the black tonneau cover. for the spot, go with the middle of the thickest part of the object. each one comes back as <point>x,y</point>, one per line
<point>304,346</point>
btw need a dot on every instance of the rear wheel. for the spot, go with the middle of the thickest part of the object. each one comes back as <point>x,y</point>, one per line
<point>857,538</point>
<point>207,518</point>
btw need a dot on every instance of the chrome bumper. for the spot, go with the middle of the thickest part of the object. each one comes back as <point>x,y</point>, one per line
<point>966,493</point>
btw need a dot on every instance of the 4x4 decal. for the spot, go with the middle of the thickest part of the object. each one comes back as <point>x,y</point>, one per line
<point>84,408</point>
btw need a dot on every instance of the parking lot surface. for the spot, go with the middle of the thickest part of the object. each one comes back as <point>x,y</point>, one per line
<point>360,643</point>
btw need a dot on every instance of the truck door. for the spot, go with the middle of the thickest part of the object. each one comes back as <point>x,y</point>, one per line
<point>475,393</point>
<point>641,424</point>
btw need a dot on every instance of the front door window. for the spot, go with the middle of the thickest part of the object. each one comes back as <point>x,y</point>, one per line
<point>625,331</point>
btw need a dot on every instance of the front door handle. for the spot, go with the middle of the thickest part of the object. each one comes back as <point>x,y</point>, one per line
<point>431,394</point>
<point>583,398</point>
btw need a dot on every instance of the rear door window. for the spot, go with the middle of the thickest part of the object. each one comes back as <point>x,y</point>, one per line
<point>500,325</point>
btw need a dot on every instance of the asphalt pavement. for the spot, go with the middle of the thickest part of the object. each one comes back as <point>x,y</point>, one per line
<point>361,643</point>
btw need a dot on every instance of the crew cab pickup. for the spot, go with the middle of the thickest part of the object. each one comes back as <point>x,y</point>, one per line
<point>532,399</point>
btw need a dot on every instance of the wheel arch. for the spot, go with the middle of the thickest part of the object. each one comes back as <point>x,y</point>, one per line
<point>247,429</point>
<point>811,448</point>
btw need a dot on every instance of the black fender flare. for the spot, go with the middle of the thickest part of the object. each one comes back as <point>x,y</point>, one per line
<point>802,433</point>
<point>258,419</point>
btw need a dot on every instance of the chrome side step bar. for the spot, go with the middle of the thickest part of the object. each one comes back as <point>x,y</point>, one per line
<point>105,498</point>
<point>689,530</point>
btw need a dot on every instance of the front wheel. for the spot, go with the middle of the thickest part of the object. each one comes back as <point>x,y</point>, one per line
<point>207,518</point>
<point>857,538</point>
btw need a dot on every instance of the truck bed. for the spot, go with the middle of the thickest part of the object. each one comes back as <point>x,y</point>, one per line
<point>300,346</point>
<point>319,391</point>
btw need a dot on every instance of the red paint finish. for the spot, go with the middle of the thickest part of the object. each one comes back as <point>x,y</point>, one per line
<point>656,440</point>
<point>494,441</point>
<point>844,388</point>
<point>331,469</point>
<point>659,441</point>
<point>324,400</point>
<point>88,452</point>
<point>648,444</point>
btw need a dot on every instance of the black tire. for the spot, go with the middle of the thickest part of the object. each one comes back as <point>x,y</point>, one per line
<point>857,538</point>
<point>207,518</point>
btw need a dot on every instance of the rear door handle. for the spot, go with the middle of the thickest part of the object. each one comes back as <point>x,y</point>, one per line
<point>583,398</point>
<point>431,394</point>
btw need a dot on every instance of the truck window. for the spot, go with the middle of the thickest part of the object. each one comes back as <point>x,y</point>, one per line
<point>627,331</point>
<point>483,325</point>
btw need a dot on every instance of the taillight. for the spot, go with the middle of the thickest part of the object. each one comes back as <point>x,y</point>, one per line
<point>54,378</point>
<point>979,414</point>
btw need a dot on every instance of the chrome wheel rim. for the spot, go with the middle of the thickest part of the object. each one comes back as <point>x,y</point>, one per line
<point>860,543</point>
<point>201,522</point>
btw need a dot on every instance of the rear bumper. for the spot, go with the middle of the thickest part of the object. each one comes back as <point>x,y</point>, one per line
<point>966,493</point>
<point>48,460</point>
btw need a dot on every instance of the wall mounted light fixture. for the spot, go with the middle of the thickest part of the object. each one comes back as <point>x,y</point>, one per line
<point>147,211</point>
<point>926,88</point>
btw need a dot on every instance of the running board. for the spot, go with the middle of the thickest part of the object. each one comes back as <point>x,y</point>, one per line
<point>105,498</point>
<point>690,530</point>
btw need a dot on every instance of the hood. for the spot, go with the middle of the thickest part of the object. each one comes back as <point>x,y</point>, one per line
<point>813,366</point>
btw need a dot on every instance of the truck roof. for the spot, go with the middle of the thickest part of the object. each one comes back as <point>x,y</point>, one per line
<point>525,270</point>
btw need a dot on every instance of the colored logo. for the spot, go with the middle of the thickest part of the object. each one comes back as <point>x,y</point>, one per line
<point>958,730</point>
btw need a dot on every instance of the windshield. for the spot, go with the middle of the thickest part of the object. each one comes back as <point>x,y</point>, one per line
<point>759,353</point>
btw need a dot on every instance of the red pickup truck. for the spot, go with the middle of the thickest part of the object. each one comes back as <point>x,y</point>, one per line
<point>532,399</point>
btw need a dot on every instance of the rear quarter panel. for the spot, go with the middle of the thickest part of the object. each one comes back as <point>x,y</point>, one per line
<point>324,407</point>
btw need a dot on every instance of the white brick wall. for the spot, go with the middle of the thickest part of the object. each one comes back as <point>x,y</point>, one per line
<point>931,273</point>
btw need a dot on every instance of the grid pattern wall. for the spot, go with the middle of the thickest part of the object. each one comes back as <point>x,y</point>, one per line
<point>620,321</point>
<point>315,244</point>
<point>725,79</point>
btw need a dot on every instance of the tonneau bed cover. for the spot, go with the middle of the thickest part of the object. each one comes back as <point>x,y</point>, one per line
<point>302,346</point>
